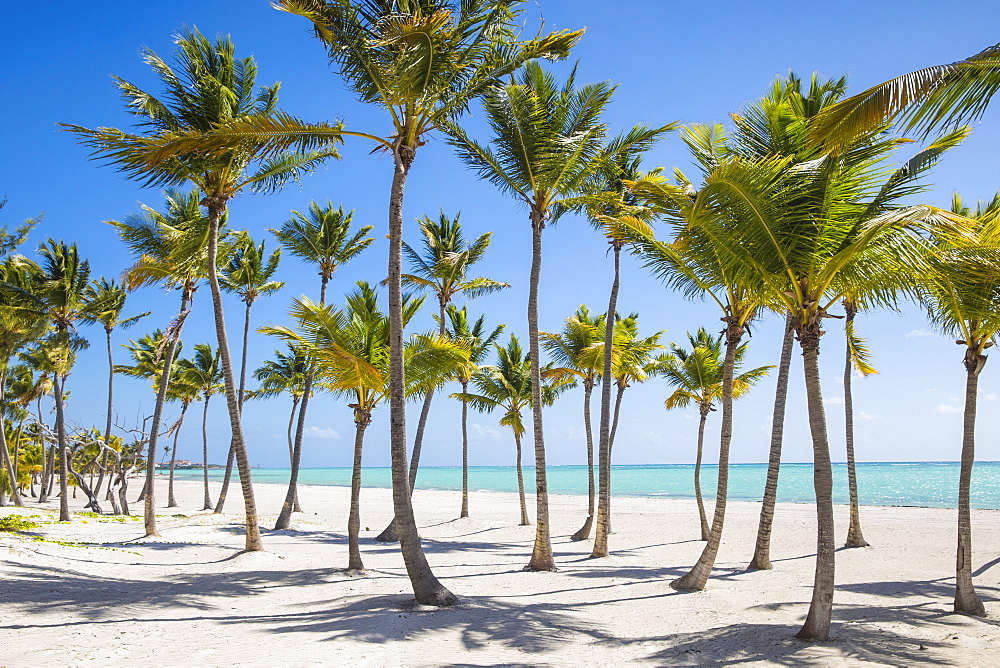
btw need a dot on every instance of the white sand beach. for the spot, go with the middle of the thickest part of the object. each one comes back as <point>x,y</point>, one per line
<point>192,598</point>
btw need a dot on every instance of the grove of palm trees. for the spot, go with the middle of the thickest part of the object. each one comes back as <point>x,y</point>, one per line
<point>414,331</point>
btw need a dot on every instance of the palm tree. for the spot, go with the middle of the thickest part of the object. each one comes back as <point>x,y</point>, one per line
<point>209,92</point>
<point>507,385</point>
<point>203,371</point>
<point>548,146</point>
<point>478,342</point>
<point>857,359</point>
<point>425,62</point>
<point>961,292</point>
<point>697,375</point>
<point>247,275</point>
<point>63,286</point>
<point>350,349</point>
<point>322,237</point>
<point>287,372</point>
<point>573,351</point>
<point>441,270</point>
<point>169,250</point>
<point>106,300</point>
<point>186,393</point>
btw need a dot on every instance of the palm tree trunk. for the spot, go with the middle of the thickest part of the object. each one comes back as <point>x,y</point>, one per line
<point>231,456</point>
<point>216,205</point>
<point>107,427</point>
<point>541,556</point>
<point>149,496</point>
<point>8,465</point>
<point>583,533</point>
<point>697,472</point>
<point>604,442</point>
<point>354,562</point>
<point>520,482</point>
<point>817,625</point>
<point>389,534</point>
<point>288,506</point>
<point>854,536</point>
<point>966,599</point>
<point>171,501</point>
<point>762,550</point>
<point>465,453</point>
<point>427,589</point>
<point>697,577</point>
<point>204,453</point>
<point>43,489</point>
<point>58,387</point>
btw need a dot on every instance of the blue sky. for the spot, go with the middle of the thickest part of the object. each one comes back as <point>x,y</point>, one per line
<point>694,62</point>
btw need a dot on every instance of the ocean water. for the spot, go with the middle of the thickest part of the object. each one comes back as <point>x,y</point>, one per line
<point>928,484</point>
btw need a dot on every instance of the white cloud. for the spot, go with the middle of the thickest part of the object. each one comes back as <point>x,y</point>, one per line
<point>992,397</point>
<point>867,416</point>
<point>835,401</point>
<point>322,433</point>
<point>946,408</point>
<point>914,333</point>
<point>487,431</point>
<point>654,437</point>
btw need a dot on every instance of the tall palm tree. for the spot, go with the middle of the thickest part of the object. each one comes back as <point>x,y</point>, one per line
<point>441,269</point>
<point>424,62</point>
<point>322,237</point>
<point>41,358</point>
<point>351,353</point>
<point>507,385</point>
<point>961,292</point>
<point>106,300</point>
<point>169,250</point>
<point>287,372</point>
<point>204,371</point>
<point>548,146</point>
<point>697,375</point>
<point>186,393</point>
<point>248,275</point>
<point>209,90</point>
<point>857,360</point>
<point>478,342</point>
<point>63,291</point>
<point>573,353</point>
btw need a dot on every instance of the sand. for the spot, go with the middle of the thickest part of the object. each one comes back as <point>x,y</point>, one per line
<point>192,598</point>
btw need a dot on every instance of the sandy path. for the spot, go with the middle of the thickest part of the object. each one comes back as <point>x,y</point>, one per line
<point>192,598</point>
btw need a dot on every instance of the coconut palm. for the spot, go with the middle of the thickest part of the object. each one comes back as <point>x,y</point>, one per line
<point>857,360</point>
<point>210,90</point>
<point>169,250</point>
<point>441,269</point>
<point>573,353</point>
<point>106,300</point>
<point>203,371</point>
<point>350,349</point>
<point>697,375</point>
<point>248,275</point>
<point>322,237</point>
<point>507,385</point>
<point>548,146</point>
<point>41,358</point>
<point>478,342</point>
<point>186,393</point>
<point>63,287</point>
<point>961,292</point>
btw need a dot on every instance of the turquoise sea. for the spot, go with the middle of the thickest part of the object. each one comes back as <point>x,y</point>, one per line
<point>929,484</point>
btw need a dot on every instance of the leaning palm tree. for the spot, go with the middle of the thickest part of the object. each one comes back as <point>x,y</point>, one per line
<point>208,91</point>
<point>424,62</point>
<point>106,299</point>
<point>204,371</point>
<point>323,237</point>
<point>440,269</point>
<point>507,385</point>
<point>248,275</point>
<point>572,352</point>
<point>350,349</point>
<point>186,393</point>
<point>63,290</point>
<point>548,145</point>
<point>697,375</point>
<point>478,342</point>
<point>961,291</point>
